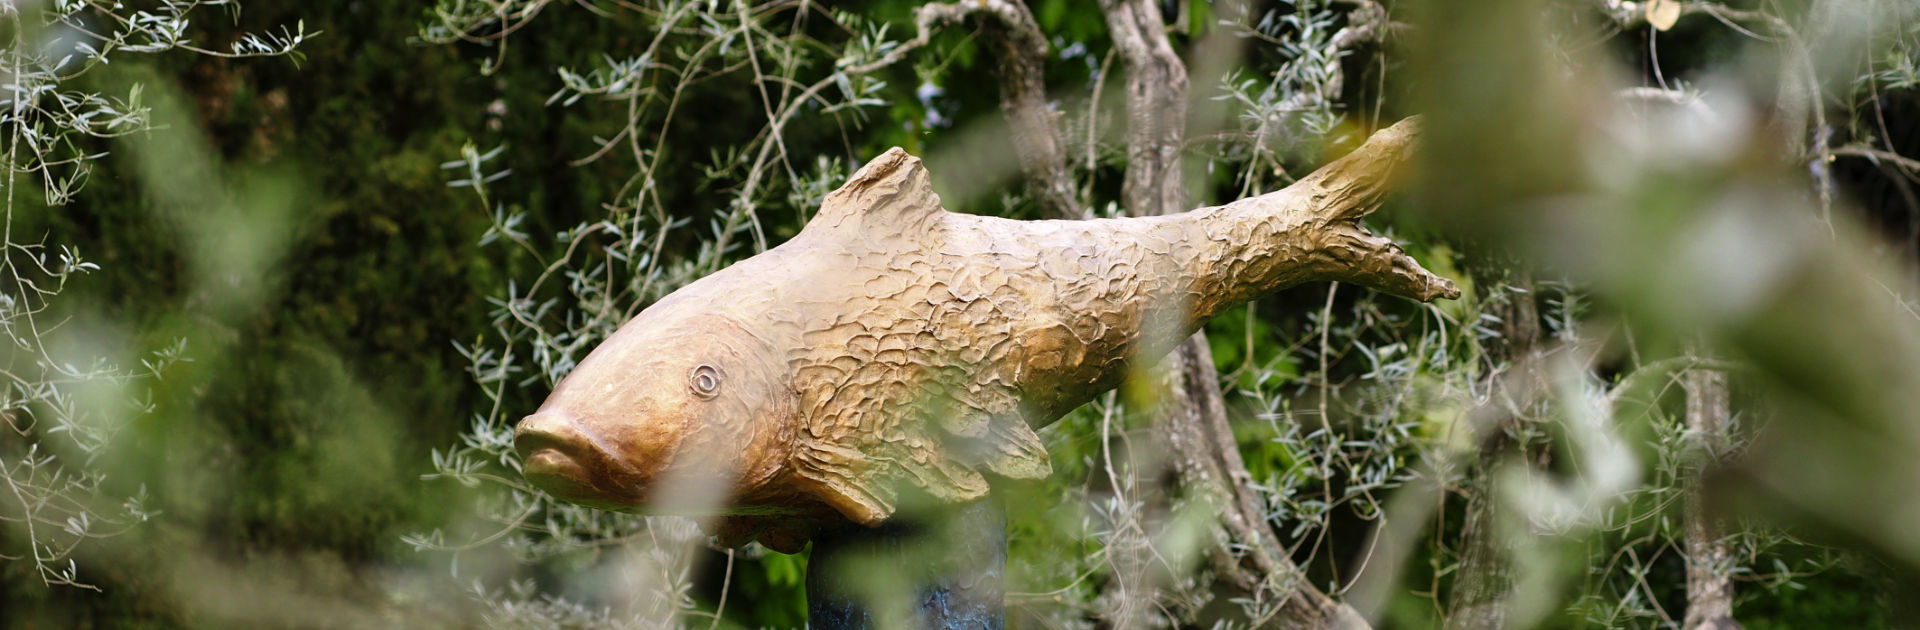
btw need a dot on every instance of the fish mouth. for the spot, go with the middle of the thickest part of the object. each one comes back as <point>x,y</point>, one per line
<point>560,459</point>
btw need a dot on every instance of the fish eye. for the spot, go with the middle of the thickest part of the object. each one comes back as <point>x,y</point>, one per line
<point>704,381</point>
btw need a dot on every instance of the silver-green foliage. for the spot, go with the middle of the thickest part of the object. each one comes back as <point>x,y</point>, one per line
<point>1363,404</point>
<point>608,267</point>
<point>68,393</point>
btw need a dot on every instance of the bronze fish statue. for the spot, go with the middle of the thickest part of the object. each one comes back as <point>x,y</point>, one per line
<point>894,346</point>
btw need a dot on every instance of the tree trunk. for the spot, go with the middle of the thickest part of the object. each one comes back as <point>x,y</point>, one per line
<point>1484,579</point>
<point>1246,553</point>
<point>1709,558</point>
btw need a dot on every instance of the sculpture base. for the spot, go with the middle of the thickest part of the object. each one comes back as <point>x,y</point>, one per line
<point>934,573</point>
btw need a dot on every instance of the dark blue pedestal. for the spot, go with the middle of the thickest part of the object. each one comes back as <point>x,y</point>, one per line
<point>935,573</point>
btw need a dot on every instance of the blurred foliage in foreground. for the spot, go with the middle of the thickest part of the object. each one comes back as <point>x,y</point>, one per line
<point>290,315</point>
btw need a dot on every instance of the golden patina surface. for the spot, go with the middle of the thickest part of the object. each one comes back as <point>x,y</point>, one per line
<point>894,346</point>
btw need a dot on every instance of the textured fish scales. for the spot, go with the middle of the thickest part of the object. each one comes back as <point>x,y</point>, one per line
<point>922,348</point>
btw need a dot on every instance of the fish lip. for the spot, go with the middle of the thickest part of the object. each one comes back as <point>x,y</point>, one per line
<point>532,443</point>
<point>557,463</point>
<point>555,473</point>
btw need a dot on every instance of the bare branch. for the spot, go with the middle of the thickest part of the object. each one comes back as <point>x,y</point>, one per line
<point>1483,588</point>
<point>1630,14</point>
<point>927,21</point>
<point>1250,555</point>
<point>1910,166</point>
<point>1023,99</point>
<point>1156,108</point>
<point>1194,426</point>
<point>1709,555</point>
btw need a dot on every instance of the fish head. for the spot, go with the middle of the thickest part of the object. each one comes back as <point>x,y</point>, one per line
<point>677,412</point>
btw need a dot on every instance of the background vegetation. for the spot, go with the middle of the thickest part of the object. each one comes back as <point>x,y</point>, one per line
<point>329,274</point>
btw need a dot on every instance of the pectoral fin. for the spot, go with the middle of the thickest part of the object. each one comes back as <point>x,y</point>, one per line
<point>1016,452</point>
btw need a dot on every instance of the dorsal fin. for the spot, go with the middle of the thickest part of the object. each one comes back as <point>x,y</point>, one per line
<point>892,193</point>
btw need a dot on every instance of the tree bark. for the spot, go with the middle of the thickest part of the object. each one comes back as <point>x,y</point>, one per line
<point>1485,576</point>
<point>1023,100</point>
<point>1247,553</point>
<point>1709,557</point>
<point>1484,579</point>
<point>1156,108</point>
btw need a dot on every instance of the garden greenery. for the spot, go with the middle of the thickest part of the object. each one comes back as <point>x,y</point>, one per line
<point>1534,454</point>
<point>66,397</point>
<point>1339,407</point>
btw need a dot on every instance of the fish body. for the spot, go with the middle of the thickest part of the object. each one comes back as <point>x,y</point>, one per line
<point>895,346</point>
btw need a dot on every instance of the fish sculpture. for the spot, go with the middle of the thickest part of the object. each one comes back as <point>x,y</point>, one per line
<point>894,347</point>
